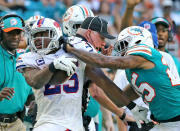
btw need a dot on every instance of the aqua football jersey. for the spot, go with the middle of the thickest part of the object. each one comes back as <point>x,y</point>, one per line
<point>158,86</point>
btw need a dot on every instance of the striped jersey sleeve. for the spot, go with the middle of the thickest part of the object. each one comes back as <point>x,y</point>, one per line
<point>78,43</point>
<point>24,61</point>
<point>140,50</point>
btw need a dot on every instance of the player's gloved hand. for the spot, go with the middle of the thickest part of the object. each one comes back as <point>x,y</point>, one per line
<point>139,113</point>
<point>64,63</point>
<point>63,41</point>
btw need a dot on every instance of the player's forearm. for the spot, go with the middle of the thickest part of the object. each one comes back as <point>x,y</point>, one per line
<point>107,115</point>
<point>132,95</point>
<point>127,19</point>
<point>29,99</point>
<point>115,94</point>
<point>38,78</point>
<point>91,58</point>
<point>97,60</point>
<point>111,90</point>
<point>98,94</point>
<point>108,104</point>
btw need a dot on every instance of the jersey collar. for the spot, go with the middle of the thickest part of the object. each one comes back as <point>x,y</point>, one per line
<point>7,53</point>
<point>82,37</point>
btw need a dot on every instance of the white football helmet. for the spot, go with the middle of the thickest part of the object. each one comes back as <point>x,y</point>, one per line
<point>54,33</point>
<point>132,36</point>
<point>29,22</point>
<point>73,18</point>
<point>28,25</point>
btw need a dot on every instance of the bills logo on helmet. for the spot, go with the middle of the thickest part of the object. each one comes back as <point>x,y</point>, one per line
<point>56,24</point>
<point>40,22</point>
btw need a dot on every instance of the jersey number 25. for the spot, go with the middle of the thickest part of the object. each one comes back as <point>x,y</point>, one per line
<point>56,89</point>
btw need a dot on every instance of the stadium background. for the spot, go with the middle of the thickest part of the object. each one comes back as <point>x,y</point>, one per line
<point>111,10</point>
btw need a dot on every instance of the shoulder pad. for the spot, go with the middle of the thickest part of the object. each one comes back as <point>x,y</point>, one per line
<point>140,49</point>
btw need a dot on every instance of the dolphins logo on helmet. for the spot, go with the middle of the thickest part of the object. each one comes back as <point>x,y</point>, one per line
<point>132,36</point>
<point>73,18</point>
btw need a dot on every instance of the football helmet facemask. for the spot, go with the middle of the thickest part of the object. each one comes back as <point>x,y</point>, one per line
<point>54,33</point>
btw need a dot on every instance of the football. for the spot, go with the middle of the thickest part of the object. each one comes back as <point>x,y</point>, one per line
<point>59,77</point>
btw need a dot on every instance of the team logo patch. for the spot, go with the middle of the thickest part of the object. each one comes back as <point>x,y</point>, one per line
<point>57,25</point>
<point>13,22</point>
<point>129,38</point>
<point>68,14</point>
<point>135,31</point>
<point>19,60</point>
<point>40,61</point>
<point>20,51</point>
<point>147,26</point>
<point>40,22</point>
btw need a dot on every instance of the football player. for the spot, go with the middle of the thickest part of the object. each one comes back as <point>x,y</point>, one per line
<point>143,65</point>
<point>59,106</point>
<point>39,66</point>
<point>72,20</point>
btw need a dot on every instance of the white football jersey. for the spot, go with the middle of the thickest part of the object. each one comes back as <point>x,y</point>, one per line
<point>59,104</point>
<point>170,63</point>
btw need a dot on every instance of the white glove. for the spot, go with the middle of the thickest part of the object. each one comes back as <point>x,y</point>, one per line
<point>140,114</point>
<point>66,64</point>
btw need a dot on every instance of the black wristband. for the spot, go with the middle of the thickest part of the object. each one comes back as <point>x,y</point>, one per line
<point>87,83</point>
<point>52,68</point>
<point>65,46</point>
<point>131,105</point>
<point>123,116</point>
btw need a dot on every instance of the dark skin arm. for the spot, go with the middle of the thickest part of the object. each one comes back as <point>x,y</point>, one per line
<point>129,91</point>
<point>29,99</point>
<point>112,91</point>
<point>6,93</point>
<point>127,19</point>
<point>98,94</point>
<point>37,78</point>
<point>114,62</point>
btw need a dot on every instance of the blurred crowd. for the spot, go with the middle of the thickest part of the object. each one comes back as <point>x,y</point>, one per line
<point>110,10</point>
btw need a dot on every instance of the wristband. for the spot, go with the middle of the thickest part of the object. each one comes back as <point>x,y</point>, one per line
<point>52,68</point>
<point>131,105</point>
<point>65,46</point>
<point>123,116</point>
